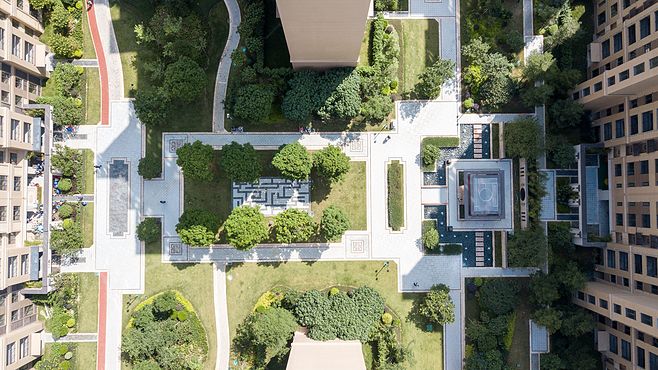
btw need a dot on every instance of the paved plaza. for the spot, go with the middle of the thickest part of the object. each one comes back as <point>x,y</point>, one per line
<point>273,195</point>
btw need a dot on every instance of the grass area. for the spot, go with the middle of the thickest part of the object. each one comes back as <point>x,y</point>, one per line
<point>86,186</point>
<point>495,140</point>
<point>364,52</point>
<point>245,283</point>
<point>87,222</point>
<point>91,96</point>
<point>88,306</point>
<point>419,48</point>
<point>349,195</point>
<point>85,356</point>
<point>88,51</point>
<point>194,281</point>
<point>519,354</point>
<point>395,179</point>
<point>498,248</point>
<point>439,142</point>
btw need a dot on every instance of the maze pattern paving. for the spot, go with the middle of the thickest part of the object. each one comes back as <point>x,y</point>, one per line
<point>273,195</point>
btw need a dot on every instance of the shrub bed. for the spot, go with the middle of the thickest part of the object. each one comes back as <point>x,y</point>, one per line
<point>395,179</point>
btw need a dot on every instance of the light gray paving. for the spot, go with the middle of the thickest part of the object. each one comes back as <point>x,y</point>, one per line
<point>87,63</point>
<point>71,338</point>
<point>119,197</point>
<point>224,68</point>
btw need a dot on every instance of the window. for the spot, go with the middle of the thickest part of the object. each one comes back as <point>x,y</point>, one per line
<point>24,347</point>
<point>12,267</point>
<point>2,39</point>
<point>648,99</point>
<point>29,52</point>
<point>626,350</point>
<point>630,169</point>
<point>646,220</point>
<point>645,27</point>
<point>653,361</point>
<point>607,131</point>
<point>3,213</point>
<point>631,35</point>
<point>616,42</point>
<point>653,62</point>
<point>647,121</point>
<point>639,285</point>
<point>646,319</point>
<point>603,303</point>
<point>613,344</point>
<point>630,313</point>
<point>11,353</point>
<point>605,49</point>
<point>17,183</point>
<point>634,125</point>
<point>613,10</point>
<point>3,182</point>
<point>631,220</point>
<point>625,281</point>
<point>638,263</point>
<point>17,213</point>
<point>14,129</point>
<point>611,258</point>
<point>640,357</point>
<point>27,132</point>
<point>638,69</point>
<point>601,18</point>
<point>619,128</point>
<point>617,170</point>
<point>652,266</point>
<point>644,167</point>
<point>13,158</point>
<point>24,264</point>
<point>591,299</point>
<point>2,126</point>
<point>623,76</point>
<point>623,261</point>
<point>16,46</point>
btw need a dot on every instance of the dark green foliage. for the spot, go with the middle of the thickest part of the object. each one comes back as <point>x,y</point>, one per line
<point>562,153</point>
<point>551,361</point>
<point>536,66</point>
<point>343,316</point>
<point>149,168</point>
<point>377,108</point>
<point>160,337</point>
<point>437,306</point>
<point>152,106</point>
<point>293,226</point>
<point>254,102</point>
<point>184,80</point>
<point>240,163</point>
<point>331,163</point>
<point>559,236</point>
<point>334,223</point>
<point>194,217</point>
<point>195,160</point>
<point>527,248</point>
<point>490,360</point>
<point>498,296</point>
<point>537,95</point>
<point>344,101</point>
<point>565,113</point>
<point>65,46</point>
<point>67,79</point>
<point>245,227</point>
<point>148,230</point>
<point>429,155</point>
<point>68,241</point>
<point>387,5</point>
<point>265,335</point>
<point>430,238</point>
<point>56,324</point>
<point>41,4</point>
<point>293,161</point>
<point>570,276</point>
<point>66,110</point>
<point>543,289</point>
<point>59,18</point>
<point>395,182</point>
<point>487,333</point>
<point>536,191</point>
<point>549,317</point>
<point>487,75</point>
<point>433,77</point>
<point>302,98</point>
<point>64,185</point>
<point>576,322</point>
<point>65,211</point>
<point>66,160</point>
<point>523,138</point>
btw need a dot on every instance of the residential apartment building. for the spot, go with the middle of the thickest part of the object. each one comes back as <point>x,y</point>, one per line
<point>323,34</point>
<point>621,92</point>
<point>22,72</point>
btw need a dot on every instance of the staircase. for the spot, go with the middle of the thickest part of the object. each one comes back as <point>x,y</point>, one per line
<point>479,248</point>
<point>477,141</point>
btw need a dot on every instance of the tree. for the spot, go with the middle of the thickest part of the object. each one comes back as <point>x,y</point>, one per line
<point>302,98</point>
<point>559,236</point>
<point>67,111</point>
<point>254,102</point>
<point>240,163</point>
<point>245,227</point>
<point>377,108</point>
<point>194,217</point>
<point>549,317</point>
<point>68,79</point>
<point>527,248</point>
<point>66,160</point>
<point>293,226</point>
<point>551,361</point>
<point>537,95</point>
<point>67,242</point>
<point>60,18</point>
<point>576,322</point>
<point>41,4</point>
<point>498,296</point>
<point>149,168</point>
<point>430,238</point>
<point>562,153</point>
<point>566,113</point>
<point>331,163</point>
<point>195,160</point>
<point>265,335</point>
<point>184,80</point>
<point>65,211</point>
<point>536,66</point>
<point>433,77</point>
<point>344,101</point>
<point>430,154</point>
<point>543,289</point>
<point>437,306</point>
<point>523,138</point>
<point>148,230</point>
<point>152,106</point>
<point>334,223</point>
<point>293,161</point>
<point>65,184</point>
<point>65,46</point>
<point>197,236</point>
<point>490,360</point>
<point>570,276</point>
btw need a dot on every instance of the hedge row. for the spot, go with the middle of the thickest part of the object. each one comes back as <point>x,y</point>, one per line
<point>395,177</point>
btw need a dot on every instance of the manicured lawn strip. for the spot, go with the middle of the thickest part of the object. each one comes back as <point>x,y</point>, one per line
<point>91,96</point>
<point>395,176</point>
<point>87,222</point>
<point>419,48</point>
<point>495,140</point>
<point>519,354</point>
<point>88,306</point>
<point>498,248</point>
<point>194,281</point>
<point>441,141</point>
<point>88,51</point>
<point>87,176</point>
<point>349,195</point>
<point>364,53</point>
<point>246,282</point>
<point>85,356</point>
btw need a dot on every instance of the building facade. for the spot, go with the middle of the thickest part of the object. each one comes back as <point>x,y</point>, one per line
<point>621,92</point>
<point>22,73</point>
<point>323,34</point>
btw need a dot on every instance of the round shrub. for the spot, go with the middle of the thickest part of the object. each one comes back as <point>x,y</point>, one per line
<point>68,355</point>
<point>65,365</point>
<point>65,211</point>
<point>70,322</point>
<point>334,291</point>
<point>293,161</point>
<point>148,230</point>
<point>334,223</point>
<point>67,223</point>
<point>431,238</point>
<point>429,155</point>
<point>468,103</point>
<point>149,168</point>
<point>63,350</point>
<point>181,315</point>
<point>387,319</point>
<point>65,185</point>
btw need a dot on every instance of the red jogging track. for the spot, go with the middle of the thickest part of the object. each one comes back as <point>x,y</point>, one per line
<point>102,66</point>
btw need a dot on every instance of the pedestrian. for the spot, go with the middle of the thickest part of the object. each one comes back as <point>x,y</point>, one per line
<point>163,201</point>
<point>98,166</point>
<point>416,284</point>
<point>84,204</point>
<point>388,137</point>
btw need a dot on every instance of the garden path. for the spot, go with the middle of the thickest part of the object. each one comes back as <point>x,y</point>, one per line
<point>221,316</point>
<point>221,81</point>
<point>71,338</point>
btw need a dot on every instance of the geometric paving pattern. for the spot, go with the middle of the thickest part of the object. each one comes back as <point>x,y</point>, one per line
<point>119,197</point>
<point>274,195</point>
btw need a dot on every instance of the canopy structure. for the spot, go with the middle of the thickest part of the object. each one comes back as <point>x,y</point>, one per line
<point>307,353</point>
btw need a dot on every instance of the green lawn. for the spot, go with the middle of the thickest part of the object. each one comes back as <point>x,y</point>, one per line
<point>85,356</point>
<point>495,140</point>
<point>395,176</point>
<point>364,53</point>
<point>87,222</point>
<point>498,248</point>
<point>519,354</point>
<point>86,185</point>
<point>246,282</point>
<point>194,281</point>
<point>88,51</point>
<point>349,195</point>
<point>419,48</point>
<point>91,96</point>
<point>88,306</point>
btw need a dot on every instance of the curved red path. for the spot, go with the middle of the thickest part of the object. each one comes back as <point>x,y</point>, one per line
<point>102,67</point>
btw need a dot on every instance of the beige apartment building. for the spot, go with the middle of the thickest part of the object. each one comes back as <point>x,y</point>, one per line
<point>22,72</point>
<point>622,94</point>
<point>323,34</point>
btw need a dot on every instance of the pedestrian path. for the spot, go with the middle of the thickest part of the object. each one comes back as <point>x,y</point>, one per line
<point>71,338</point>
<point>221,80</point>
<point>221,316</point>
<point>87,63</point>
<point>75,198</point>
<point>93,19</point>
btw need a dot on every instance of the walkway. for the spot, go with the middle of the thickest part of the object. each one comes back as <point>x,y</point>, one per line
<point>102,64</point>
<point>221,316</point>
<point>87,63</point>
<point>75,198</point>
<point>71,338</point>
<point>223,71</point>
